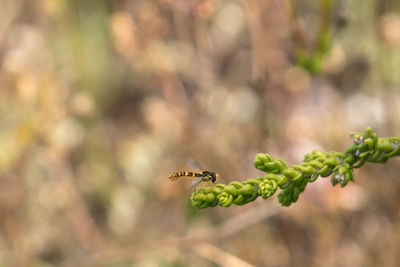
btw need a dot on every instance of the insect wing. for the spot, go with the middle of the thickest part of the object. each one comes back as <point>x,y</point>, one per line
<point>195,182</point>
<point>194,163</point>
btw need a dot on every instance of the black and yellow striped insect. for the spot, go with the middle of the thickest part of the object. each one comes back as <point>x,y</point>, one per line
<point>198,177</point>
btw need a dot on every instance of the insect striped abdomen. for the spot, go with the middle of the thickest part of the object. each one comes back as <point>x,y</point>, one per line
<point>175,176</point>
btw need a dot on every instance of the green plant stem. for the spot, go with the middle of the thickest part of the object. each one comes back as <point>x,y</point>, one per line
<point>292,180</point>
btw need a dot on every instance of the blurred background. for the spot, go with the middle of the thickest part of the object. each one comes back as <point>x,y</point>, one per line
<point>101,100</point>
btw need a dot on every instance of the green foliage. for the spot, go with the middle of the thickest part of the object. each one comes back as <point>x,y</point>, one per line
<point>292,180</point>
<point>311,59</point>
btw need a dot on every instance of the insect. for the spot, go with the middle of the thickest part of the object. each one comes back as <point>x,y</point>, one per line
<point>198,177</point>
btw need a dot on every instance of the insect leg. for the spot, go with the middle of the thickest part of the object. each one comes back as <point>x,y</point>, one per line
<point>211,183</point>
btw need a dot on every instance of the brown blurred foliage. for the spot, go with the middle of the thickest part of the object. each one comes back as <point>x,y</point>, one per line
<point>101,100</point>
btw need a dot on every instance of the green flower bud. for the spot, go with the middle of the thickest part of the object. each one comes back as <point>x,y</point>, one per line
<point>230,189</point>
<point>267,188</point>
<point>198,200</point>
<point>325,171</point>
<point>291,172</point>
<point>370,142</point>
<point>260,160</point>
<point>246,189</point>
<point>352,149</point>
<point>350,159</point>
<point>385,146</point>
<point>225,199</point>
<point>332,161</point>
<point>368,132</point>
<point>240,200</point>
<point>395,152</point>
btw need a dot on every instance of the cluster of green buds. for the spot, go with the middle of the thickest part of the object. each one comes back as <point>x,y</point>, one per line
<point>292,180</point>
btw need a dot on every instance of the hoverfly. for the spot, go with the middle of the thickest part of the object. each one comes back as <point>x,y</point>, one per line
<point>198,177</point>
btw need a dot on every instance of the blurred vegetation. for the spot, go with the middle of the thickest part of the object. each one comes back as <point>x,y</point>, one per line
<point>101,100</point>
